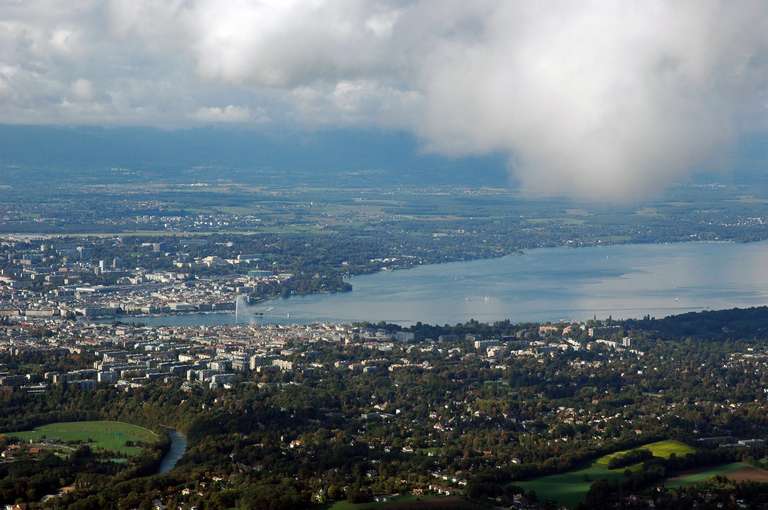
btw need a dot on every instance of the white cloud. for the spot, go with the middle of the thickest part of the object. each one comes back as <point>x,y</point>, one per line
<point>64,41</point>
<point>82,89</point>
<point>598,98</point>
<point>229,113</point>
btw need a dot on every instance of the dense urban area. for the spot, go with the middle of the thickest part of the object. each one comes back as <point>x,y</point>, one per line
<point>292,416</point>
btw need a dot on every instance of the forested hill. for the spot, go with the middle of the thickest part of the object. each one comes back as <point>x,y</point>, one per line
<point>709,325</point>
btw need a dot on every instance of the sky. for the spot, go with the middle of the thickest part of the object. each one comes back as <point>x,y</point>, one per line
<point>604,100</point>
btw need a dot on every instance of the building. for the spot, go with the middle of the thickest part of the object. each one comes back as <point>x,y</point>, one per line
<point>219,379</point>
<point>282,364</point>
<point>13,380</point>
<point>482,345</point>
<point>220,365</point>
<point>106,377</point>
<point>605,331</point>
<point>405,336</point>
<point>260,273</point>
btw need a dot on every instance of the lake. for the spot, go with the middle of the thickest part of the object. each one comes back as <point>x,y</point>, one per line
<point>622,281</point>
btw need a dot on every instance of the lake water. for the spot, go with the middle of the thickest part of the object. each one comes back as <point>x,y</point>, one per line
<point>544,284</point>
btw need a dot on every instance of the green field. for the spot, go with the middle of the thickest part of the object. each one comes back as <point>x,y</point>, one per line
<point>663,449</point>
<point>570,488</point>
<point>704,475</point>
<point>100,435</point>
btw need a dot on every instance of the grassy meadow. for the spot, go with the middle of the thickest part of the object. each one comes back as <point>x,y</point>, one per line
<point>99,435</point>
<point>570,488</point>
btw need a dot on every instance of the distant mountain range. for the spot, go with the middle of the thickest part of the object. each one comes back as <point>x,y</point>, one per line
<point>368,157</point>
<point>339,157</point>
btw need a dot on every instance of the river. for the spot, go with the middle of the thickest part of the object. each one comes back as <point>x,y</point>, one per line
<point>622,281</point>
<point>174,453</point>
